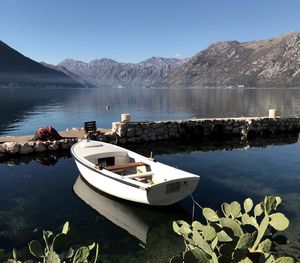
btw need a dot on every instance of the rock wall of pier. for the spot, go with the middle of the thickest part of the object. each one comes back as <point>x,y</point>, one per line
<point>133,132</point>
<point>14,148</point>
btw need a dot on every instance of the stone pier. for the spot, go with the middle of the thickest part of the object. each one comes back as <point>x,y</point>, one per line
<point>127,132</point>
<point>245,128</point>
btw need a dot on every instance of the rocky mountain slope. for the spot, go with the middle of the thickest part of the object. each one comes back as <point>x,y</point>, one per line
<point>18,69</point>
<point>73,76</point>
<point>266,63</point>
<point>109,72</point>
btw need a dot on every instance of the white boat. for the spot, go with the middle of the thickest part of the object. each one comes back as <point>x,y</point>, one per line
<point>131,176</point>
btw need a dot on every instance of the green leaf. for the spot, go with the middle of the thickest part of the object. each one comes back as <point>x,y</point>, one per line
<point>249,220</point>
<point>209,233</point>
<point>81,255</point>
<point>185,230</point>
<point>210,214</point>
<point>285,260</point>
<point>198,225</point>
<point>226,209</point>
<point>52,257</point>
<point>14,253</point>
<point>184,227</point>
<point>245,241</point>
<point>278,201</point>
<point>270,204</point>
<point>46,236</point>
<point>265,246</point>
<point>96,253</point>
<point>36,249</point>
<point>246,260</point>
<point>182,223</point>
<point>201,243</point>
<point>65,228</point>
<point>258,210</point>
<point>223,236</point>
<point>279,221</point>
<point>176,228</point>
<point>248,204</point>
<point>235,208</point>
<point>195,255</point>
<point>270,259</point>
<point>91,246</point>
<point>214,243</point>
<point>261,231</point>
<point>233,225</point>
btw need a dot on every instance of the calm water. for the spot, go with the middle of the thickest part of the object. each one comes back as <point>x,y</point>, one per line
<point>23,111</point>
<point>43,193</point>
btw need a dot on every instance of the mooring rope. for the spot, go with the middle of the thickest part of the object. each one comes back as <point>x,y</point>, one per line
<point>194,203</point>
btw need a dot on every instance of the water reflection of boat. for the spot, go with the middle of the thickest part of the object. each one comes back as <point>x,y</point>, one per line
<point>135,219</point>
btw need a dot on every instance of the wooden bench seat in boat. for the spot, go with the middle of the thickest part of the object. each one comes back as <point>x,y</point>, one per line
<point>123,166</point>
<point>141,177</point>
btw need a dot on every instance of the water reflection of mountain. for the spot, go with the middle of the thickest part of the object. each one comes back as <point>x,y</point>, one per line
<point>16,104</point>
<point>72,107</point>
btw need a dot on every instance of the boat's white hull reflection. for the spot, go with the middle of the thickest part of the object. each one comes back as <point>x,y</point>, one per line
<point>136,219</point>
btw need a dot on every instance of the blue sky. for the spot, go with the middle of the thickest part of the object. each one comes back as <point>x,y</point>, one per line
<point>133,30</point>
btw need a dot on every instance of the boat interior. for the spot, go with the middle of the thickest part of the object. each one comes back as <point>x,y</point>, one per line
<point>122,164</point>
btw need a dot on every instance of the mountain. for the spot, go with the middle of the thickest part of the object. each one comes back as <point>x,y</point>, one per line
<point>15,68</point>
<point>112,73</point>
<point>70,74</point>
<point>266,63</point>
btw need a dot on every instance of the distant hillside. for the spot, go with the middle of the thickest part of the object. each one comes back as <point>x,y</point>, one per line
<point>18,69</point>
<point>72,75</point>
<point>110,72</point>
<point>266,63</point>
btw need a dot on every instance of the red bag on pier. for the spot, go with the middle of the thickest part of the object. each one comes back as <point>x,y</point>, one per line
<point>47,134</point>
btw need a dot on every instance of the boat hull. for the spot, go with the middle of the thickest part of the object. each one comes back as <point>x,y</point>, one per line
<point>155,195</point>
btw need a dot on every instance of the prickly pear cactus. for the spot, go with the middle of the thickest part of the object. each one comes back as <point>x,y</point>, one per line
<point>244,233</point>
<point>54,250</point>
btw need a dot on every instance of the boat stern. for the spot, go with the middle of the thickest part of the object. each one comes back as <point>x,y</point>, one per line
<point>172,191</point>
